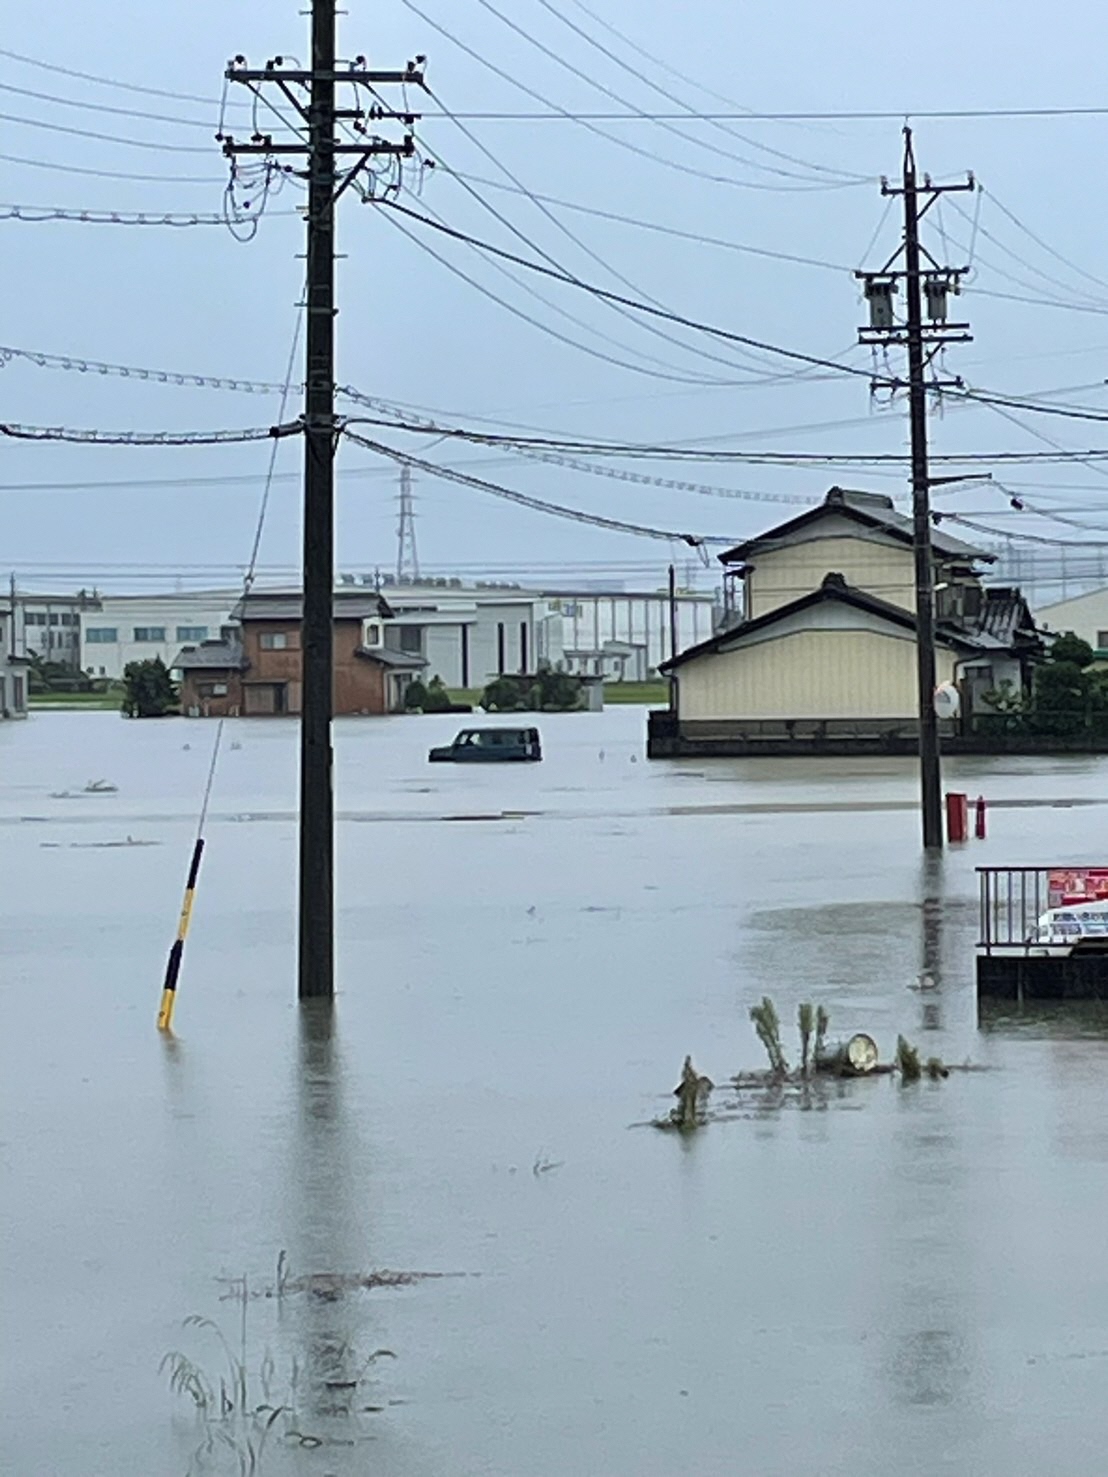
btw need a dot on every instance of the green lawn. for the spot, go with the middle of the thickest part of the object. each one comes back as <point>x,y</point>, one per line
<point>75,700</point>
<point>653,693</point>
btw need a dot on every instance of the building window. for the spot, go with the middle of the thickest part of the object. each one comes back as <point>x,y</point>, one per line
<point>149,633</point>
<point>274,641</point>
<point>211,689</point>
<point>1102,641</point>
<point>192,633</point>
<point>523,646</point>
<point>500,648</point>
<point>34,618</point>
<point>69,620</point>
<point>411,639</point>
<point>105,634</point>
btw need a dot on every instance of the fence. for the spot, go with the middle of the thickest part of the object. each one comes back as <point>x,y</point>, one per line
<point>1013,899</point>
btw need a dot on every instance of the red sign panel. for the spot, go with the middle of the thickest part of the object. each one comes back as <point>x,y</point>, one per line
<point>1079,885</point>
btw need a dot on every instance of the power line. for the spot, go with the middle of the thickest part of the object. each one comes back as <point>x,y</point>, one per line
<point>697,237</point>
<point>31,61</point>
<point>570,236</point>
<point>141,438</point>
<point>587,121</point>
<point>641,307</point>
<point>114,174</point>
<point>846,115</point>
<point>105,138</point>
<point>538,505</point>
<point>674,98</point>
<point>71,102</point>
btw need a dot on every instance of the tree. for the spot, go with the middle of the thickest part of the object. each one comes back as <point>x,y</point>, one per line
<point>1069,647</point>
<point>148,690</point>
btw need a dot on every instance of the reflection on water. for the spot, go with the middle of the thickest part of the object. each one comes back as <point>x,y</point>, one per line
<point>1045,1020</point>
<point>818,1261</point>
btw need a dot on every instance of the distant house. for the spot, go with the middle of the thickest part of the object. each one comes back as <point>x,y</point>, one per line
<point>13,668</point>
<point>822,647</point>
<point>256,670</point>
<point>1085,615</point>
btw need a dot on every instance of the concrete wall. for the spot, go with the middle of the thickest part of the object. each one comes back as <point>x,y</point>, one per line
<point>832,662</point>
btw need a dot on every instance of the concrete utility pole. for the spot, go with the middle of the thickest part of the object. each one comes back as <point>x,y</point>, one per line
<point>923,342</point>
<point>311,94</point>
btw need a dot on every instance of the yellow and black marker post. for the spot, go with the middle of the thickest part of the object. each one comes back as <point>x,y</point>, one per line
<point>173,964</point>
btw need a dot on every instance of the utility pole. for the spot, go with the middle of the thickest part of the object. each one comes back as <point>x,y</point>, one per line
<point>407,557</point>
<point>923,341</point>
<point>311,94</point>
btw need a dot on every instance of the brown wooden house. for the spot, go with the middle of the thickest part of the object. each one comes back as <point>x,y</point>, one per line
<point>258,672</point>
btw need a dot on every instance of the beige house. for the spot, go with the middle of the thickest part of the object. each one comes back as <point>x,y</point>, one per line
<point>1085,615</point>
<point>824,651</point>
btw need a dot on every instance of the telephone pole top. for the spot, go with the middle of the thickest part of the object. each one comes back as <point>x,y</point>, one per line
<point>923,341</point>
<point>331,166</point>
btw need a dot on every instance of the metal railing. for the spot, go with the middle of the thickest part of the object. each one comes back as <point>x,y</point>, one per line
<point>1013,899</point>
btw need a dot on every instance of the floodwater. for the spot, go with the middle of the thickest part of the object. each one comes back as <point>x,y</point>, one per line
<point>911,1275</point>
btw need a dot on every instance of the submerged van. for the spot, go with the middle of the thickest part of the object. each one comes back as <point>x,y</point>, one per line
<point>489,745</point>
<point>1072,924</point>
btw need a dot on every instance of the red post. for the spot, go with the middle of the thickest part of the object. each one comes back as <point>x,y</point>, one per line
<point>979,818</point>
<point>957,817</point>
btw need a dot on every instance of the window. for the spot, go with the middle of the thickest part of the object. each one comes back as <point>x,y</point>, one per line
<point>149,633</point>
<point>212,689</point>
<point>192,633</point>
<point>411,639</point>
<point>1102,641</point>
<point>34,618</point>
<point>69,620</point>
<point>273,640</point>
<point>105,634</point>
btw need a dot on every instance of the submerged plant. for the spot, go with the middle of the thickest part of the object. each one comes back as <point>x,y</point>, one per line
<point>691,1093</point>
<point>823,1020</point>
<point>768,1027</point>
<point>936,1068</point>
<point>806,1021</point>
<point>907,1060</point>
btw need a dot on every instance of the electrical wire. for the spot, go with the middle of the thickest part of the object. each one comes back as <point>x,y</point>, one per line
<point>843,175</point>
<point>538,505</point>
<point>596,291</point>
<point>546,328</point>
<point>140,438</point>
<point>71,102</point>
<point>570,235</point>
<point>587,121</point>
<point>31,61</point>
<point>114,174</point>
<point>697,237</point>
<point>104,138</point>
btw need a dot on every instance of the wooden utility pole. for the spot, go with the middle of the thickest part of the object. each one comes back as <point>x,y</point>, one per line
<point>923,340</point>
<point>312,94</point>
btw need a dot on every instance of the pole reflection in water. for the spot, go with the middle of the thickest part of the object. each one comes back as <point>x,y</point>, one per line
<point>325,1308</point>
<point>931,953</point>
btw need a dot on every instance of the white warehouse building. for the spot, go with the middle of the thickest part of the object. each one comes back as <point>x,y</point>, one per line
<point>138,628</point>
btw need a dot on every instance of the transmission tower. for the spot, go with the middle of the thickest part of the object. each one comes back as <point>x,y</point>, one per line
<point>407,557</point>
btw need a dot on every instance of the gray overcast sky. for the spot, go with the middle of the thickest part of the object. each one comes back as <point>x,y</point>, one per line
<point>410,331</point>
